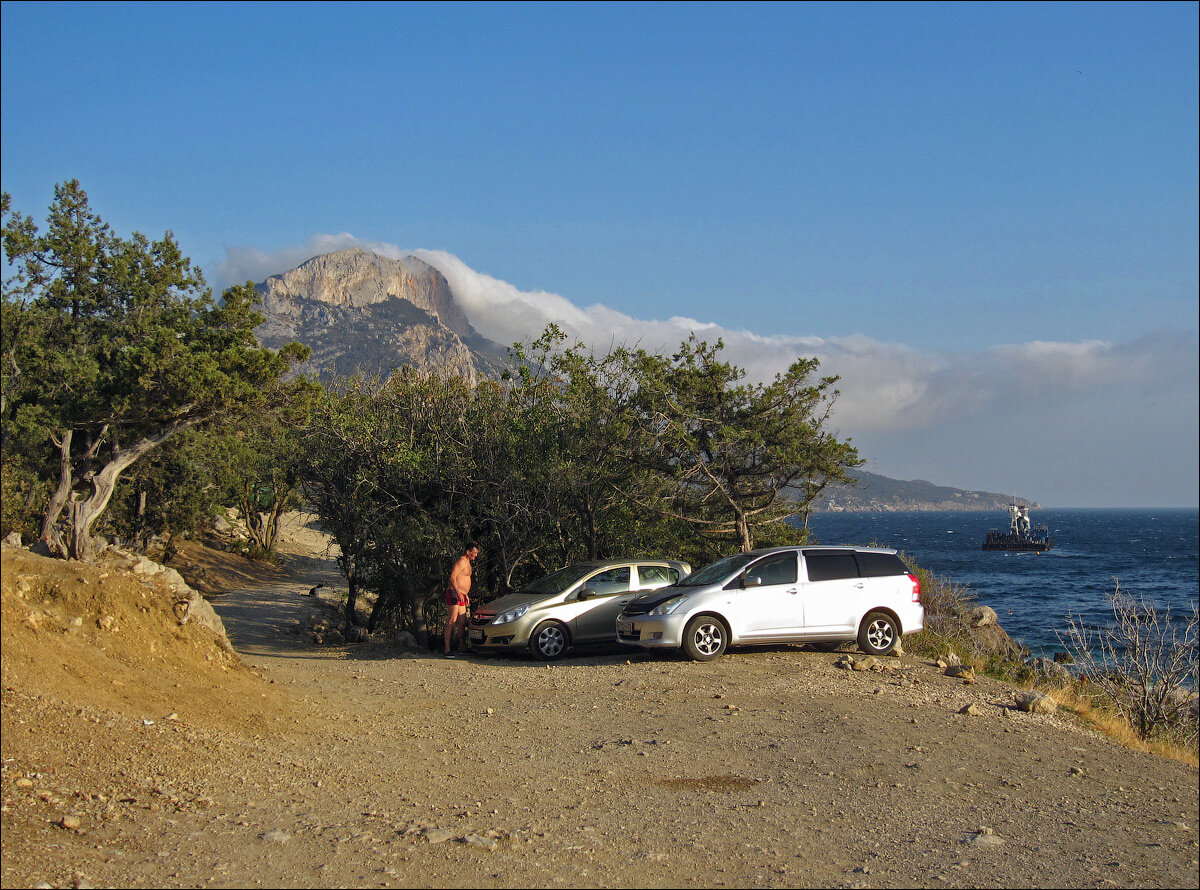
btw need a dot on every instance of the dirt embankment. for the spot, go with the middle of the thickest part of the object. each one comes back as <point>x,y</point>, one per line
<point>138,752</point>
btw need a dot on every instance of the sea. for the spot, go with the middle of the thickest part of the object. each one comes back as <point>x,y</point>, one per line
<point>1152,554</point>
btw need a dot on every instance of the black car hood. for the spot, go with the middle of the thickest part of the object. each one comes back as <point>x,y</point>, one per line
<point>643,603</point>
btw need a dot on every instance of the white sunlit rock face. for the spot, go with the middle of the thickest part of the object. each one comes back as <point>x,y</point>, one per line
<point>359,311</point>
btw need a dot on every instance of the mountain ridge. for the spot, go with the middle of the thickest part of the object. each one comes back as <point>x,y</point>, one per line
<point>361,312</point>
<point>874,493</point>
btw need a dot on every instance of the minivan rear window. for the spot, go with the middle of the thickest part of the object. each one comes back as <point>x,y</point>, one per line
<point>830,566</point>
<point>875,565</point>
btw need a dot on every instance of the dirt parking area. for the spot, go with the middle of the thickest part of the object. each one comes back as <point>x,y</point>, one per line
<point>291,764</point>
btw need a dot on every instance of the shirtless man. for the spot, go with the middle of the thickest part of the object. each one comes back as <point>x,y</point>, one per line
<point>458,597</point>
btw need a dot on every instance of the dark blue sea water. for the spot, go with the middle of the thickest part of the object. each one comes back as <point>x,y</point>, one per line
<point>1153,553</point>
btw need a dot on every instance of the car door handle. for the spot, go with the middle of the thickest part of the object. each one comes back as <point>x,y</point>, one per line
<point>794,590</point>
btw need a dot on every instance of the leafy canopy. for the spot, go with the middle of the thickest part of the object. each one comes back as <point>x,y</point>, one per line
<point>111,346</point>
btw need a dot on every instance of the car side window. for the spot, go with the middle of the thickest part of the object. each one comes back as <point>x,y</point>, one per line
<point>830,566</point>
<point>609,581</point>
<point>778,569</point>
<point>656,576</point>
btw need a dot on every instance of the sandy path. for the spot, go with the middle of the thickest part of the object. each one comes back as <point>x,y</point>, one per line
<point>372,766</point>
<point>765,768</point>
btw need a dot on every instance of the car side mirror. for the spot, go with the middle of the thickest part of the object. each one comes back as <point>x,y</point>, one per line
<point>586,594</point>
<point>752,581</point>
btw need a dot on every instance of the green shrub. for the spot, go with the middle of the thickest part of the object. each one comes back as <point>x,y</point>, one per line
<point>950,629</point>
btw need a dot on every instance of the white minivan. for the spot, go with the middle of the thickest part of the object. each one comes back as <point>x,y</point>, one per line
<point>812,594</point>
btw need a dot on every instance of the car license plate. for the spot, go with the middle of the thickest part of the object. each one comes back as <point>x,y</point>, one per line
<point>624,627</point>
<point>475,636</point>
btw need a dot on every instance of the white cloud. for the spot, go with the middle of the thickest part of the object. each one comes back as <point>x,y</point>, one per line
<point>883,385</point>
<point>243,264</point>
<point>922,397</point>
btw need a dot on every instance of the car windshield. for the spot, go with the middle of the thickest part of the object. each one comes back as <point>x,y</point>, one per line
<point>718,571</point>
<point>556,582</point>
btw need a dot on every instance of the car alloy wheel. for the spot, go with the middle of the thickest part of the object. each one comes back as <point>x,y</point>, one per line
<point>549,641</point>
<point>878,634</point>
<point>705,638</point>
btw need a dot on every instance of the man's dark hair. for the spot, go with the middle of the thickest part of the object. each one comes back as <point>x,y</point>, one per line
<point>471,545</point>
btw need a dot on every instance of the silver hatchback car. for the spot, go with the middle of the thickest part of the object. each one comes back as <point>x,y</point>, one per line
<point>578,604</point>
<point>822,595</point>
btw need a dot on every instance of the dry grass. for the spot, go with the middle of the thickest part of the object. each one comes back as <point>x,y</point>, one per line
<point>948,629</point>
<point>1114,725</point>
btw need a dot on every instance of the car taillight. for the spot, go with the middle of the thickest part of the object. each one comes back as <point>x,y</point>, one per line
<point>916,587</point>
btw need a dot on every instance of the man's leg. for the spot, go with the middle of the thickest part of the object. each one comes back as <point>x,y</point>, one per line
<point>463,617</point>
<point>451,623</point>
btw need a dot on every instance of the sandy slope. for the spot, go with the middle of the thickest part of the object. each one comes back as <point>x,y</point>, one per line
<point>142,755</point>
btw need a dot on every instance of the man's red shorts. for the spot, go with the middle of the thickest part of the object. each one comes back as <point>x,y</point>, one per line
<point>454,598</point>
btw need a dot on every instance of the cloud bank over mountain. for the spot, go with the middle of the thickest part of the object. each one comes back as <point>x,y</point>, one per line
<point>998,418</point>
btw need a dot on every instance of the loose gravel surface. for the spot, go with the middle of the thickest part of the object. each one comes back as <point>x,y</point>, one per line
<point>137,752</point>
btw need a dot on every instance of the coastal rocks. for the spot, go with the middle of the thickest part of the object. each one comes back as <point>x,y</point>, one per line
<point>850,663</point>
<point>994,640</point>
<point>983,616</point>
<point>1048,669</point>
<point>963,672</point>
<point>952,666</point>
<point>1035,702</point>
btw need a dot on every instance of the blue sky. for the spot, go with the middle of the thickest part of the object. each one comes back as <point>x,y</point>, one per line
<point>984,217</point>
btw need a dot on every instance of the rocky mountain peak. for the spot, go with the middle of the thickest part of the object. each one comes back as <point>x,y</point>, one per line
<point>356,279</point>
<point>362,312</point>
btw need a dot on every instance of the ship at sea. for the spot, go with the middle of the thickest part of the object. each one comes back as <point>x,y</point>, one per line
<point>1021,536</point>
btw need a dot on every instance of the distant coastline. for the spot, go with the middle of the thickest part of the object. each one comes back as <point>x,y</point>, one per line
<point>908,508</point>
<point>873,493</point>
<point>965,508</point>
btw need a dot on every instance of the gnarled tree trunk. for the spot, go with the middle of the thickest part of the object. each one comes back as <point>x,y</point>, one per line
<point>84,510</point>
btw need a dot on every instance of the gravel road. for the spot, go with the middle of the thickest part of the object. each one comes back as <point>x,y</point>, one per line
<point>370,765</point>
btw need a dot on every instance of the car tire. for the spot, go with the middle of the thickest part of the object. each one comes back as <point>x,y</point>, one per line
<point>705,638</point>
<point>549,641</point>
<point>879,634</point>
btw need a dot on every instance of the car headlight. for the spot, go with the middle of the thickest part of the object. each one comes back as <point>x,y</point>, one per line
<point>666,607</point>
<point>510,615</point>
